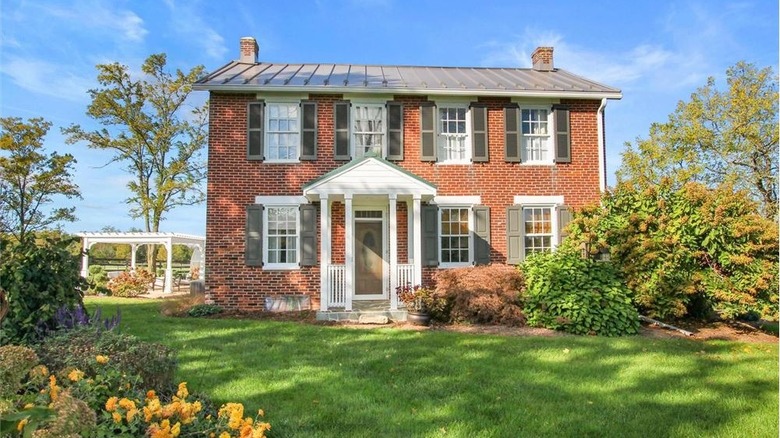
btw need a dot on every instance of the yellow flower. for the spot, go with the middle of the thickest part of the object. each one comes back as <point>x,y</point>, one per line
<point>54,390</point>
<point>39,370</point>
<point>261,412</point>
<point>20,426</point>
<point>175,430</point>
<point>224,435</point>
<point>29,405</point>
<point>125,403</point>
<point>131,414</point>
<point>75,375</point>
<point>111,404</point>
<point>117,417</point>
<point>182,392</point>
<point>101,359</point>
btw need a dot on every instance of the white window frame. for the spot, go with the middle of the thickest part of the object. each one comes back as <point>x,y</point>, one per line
<point>441,136</point>
<point>524,154</point>
<point>353,121</point>
<point>268,133</point>
<point>470,261</point>
<point>266,235</point>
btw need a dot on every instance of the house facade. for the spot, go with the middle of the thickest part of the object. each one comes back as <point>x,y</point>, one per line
<point>341,182</point>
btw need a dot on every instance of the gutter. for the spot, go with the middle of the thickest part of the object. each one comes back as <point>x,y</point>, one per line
<point>602,151</point>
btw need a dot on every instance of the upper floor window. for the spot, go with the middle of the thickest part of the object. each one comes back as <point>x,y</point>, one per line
<point>368,129</point>
<point>455,244</point>
<point>454,145</point>
<point>282,132</point>
<point>536,143</point>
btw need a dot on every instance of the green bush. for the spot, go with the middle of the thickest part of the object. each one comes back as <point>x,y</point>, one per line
<point>97,280</point>
<point>15,362</point>
<point>38,278</point>
<point>686,251</point>
<point>581,296</point>
<point>153,363</point>
<point>482,294</point>
<point>204,310</point>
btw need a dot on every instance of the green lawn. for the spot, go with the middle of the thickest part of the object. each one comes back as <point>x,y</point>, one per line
<point>333,381</point>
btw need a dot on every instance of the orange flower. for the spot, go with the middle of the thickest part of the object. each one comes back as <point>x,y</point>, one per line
<point>150,394</point>
<point>117,417</point>
<point>101,359</point>
<point>111,404</point>
<point>182,393</point>
<point>54,390</point>
<point>20,426</point>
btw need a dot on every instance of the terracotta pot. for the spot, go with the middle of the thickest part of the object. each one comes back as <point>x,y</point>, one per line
<point>418,318</point>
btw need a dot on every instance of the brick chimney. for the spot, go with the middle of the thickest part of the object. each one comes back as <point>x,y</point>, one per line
<point>249,50</point>
<point>542,59</point>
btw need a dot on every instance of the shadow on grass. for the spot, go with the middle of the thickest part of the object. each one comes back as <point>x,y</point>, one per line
<point>333,381</point>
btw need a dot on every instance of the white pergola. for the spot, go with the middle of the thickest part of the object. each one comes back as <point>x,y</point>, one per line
<point>142,238</point>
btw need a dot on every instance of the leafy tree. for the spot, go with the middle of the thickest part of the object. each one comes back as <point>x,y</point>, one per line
<point>686,251</point>
<point>717,137</point>
<point>30,179</point>
<point>150,131</point>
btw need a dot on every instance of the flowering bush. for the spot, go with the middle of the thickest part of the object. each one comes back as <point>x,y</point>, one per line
<point>420,299</point>
<point>106,403</point>
<point>130,284</point>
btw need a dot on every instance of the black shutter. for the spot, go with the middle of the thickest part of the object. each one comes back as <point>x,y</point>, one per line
<point>308,130</point>
<point>395,131</point>
<point>479,133</point>
<point>564,217</point>
<point>255,134</point>
<point>514,234</point>
<point>481,235</point>
<point>341,131</point>
<point>308,235</point>
<point>562,137</point>
<point>253,253</point>
<point>512,135</point>
<point>428,132</point>
<point>430,235</point>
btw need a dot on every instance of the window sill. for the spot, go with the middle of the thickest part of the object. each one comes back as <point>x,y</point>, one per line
<point>454,265</point>
<point>282,161</point>
<point>286,267</point>
<point>453,163</point>
<point>537,163</point>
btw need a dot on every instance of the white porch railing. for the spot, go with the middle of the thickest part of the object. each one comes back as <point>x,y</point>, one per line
<point>337,285</point>
<point>337,282</point>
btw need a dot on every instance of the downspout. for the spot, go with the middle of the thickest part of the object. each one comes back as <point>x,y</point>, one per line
<point>602,152</point>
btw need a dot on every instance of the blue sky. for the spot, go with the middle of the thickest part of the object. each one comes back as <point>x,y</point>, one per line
<point>657,52</point>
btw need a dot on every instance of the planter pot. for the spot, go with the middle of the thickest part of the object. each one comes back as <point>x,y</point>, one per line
<point>418,318</point>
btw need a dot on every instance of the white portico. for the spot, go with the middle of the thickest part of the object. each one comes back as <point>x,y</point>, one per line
<point>371,190</point>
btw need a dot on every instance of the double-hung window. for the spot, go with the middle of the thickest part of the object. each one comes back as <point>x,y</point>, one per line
<point>281,245</point>
<point>368,129</point>
<point>453,140</point>
<point>536,131</point>
<point>538,229</point>
<point>455,241</point>
<point>282,132</point>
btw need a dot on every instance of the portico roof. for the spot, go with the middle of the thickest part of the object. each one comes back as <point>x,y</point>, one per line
<point>369,176</point>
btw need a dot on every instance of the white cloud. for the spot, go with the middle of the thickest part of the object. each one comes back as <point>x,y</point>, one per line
<point>47,78</point>
<point>190,24</point>
<point>124,24</point>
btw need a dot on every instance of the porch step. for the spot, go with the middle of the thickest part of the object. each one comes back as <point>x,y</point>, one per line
<point>355,315</point>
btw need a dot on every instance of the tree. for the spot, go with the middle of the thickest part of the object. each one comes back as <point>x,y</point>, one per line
<point>717,137</point>
<point>149,130</point>
<point>30,179</point>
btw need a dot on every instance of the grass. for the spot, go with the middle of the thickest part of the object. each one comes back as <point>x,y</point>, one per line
<point>322,381</point>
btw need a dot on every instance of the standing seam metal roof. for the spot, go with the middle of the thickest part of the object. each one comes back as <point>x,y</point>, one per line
<point>361,78</point>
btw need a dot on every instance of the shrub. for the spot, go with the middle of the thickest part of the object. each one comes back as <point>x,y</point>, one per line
<point>482,294</point>
<point>129,284</point>
<point>686,251</point>
<point>576,295</point>
<point>70,318</point>
<point>153,363</point>
<point>204,310</point>
<point>97,280</point>
<point>15,362</point>
<point>38,280</point>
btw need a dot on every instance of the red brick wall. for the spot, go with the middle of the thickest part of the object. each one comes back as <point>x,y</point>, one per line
<point>234,182</point>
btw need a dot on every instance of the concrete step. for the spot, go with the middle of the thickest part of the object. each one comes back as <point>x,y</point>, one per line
<point>354,315</point>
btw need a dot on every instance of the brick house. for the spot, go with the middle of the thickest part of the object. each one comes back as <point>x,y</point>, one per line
<point>341,182</point>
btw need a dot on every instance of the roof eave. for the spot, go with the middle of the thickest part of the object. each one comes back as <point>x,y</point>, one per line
<point>416,91</point>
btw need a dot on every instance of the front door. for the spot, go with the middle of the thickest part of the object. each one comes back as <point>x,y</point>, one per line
<point>369,265</point>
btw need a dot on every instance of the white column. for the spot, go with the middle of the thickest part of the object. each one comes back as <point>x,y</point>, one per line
<point>325,242</point>
<point>393,252</point>
<point>409,233</point>
<point>168,267</point>
<point>349,246</point>
<point>417,241</point>
<point>85,258</point>
<point>133,248</point>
